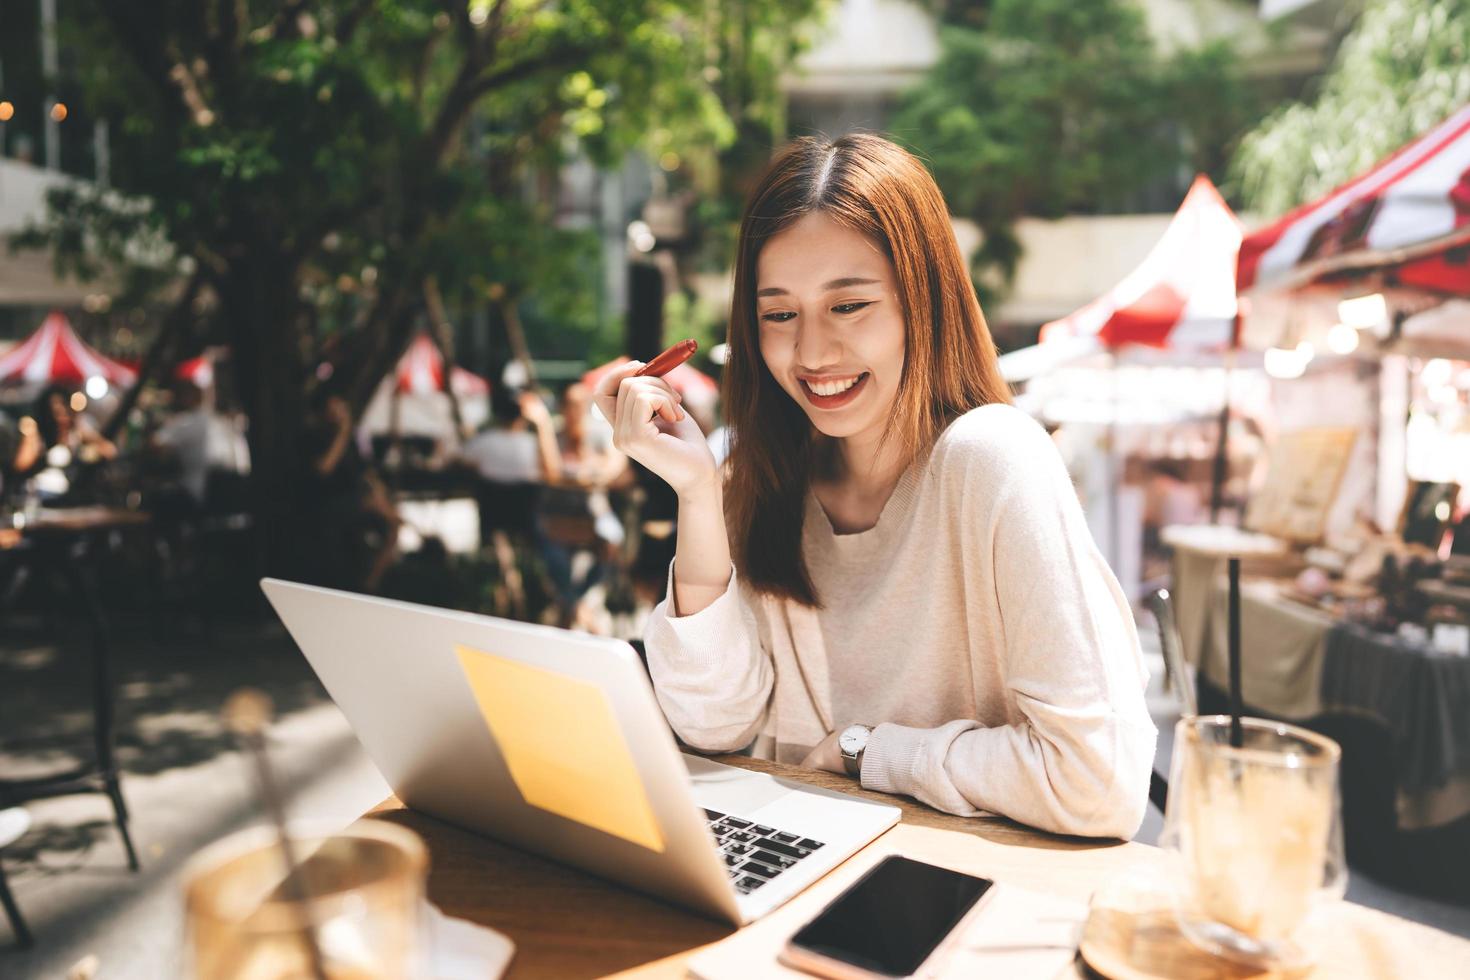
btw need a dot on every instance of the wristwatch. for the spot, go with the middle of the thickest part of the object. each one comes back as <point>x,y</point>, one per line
<point>853,742</point>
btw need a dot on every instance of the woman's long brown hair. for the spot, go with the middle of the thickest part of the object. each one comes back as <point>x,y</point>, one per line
<point>874,187</point>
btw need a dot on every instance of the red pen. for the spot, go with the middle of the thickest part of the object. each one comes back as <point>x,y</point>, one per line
<point>668,360</point>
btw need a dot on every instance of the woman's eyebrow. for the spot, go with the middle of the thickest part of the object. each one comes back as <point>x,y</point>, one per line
<point>826,287</point>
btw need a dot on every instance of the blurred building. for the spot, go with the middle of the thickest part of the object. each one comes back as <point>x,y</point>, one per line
<point>28,284</point>
<point>46,138</point>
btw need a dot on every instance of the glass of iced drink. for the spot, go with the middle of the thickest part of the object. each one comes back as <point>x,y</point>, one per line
<point>1257,833</point>
<point>363,909</point>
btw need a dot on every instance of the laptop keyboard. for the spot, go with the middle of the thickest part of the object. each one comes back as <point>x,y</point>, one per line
<point>754,853</point>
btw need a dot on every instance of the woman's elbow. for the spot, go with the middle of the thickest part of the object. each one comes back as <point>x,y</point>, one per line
<point>716,739</point>
<point>1123,809</point>
<point>1112,799</point>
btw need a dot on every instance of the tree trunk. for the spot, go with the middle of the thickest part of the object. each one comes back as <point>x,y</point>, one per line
<point>259,307</point>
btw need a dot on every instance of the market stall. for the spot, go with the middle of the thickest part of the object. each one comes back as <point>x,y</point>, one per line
<point>413,401</point>
<point>1361,629</point>
<point>1134,383</point>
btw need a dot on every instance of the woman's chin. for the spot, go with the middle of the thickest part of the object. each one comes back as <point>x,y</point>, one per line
<point>838,428</point>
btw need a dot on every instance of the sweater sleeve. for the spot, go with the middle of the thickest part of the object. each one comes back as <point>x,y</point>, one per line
<point>711,673</point>
<point>1078,759</point>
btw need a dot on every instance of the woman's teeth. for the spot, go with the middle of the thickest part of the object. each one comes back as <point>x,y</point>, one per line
<point>829,388</point>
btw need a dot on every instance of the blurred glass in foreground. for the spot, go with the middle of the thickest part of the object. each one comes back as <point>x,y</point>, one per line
<point>1258,836</point>
<point>365,907</point>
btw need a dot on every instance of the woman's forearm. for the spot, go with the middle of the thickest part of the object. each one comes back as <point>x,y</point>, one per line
<point>327,461</point>
<point>547,452</point>
<point>702,556</point>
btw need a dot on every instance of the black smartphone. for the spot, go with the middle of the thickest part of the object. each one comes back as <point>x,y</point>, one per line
<point>888,922</point>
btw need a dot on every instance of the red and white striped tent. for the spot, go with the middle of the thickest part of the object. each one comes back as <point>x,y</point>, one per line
<point>54,354</point>
<point>199,370</point>
<point>421,371</point>
<point>411,400</point>
<point>1411,212</point>
<point>1181,297</point>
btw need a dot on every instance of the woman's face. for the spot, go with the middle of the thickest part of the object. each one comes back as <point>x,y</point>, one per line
<point>831,325</point>
<point>60,410</point>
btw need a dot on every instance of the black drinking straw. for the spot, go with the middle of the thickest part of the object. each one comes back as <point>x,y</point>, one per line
<point>1237,735</point>
<point>247,714</point>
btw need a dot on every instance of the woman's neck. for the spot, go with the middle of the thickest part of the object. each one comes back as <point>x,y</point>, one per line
<point>869,466</point>
<point>863,476</point>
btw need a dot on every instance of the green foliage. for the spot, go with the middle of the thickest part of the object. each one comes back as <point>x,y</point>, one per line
<point>1402,70</point>
<point>687,315</point>
<point>321,172</point>
<point>342,137</point>
<point>1205,94</point>
<point>1054,107</point>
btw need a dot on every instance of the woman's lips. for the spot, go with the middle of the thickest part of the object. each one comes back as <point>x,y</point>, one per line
<point>833,401</point>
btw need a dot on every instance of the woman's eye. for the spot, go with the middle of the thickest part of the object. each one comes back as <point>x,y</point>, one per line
<point>849,307</point>
<point>781,317</point>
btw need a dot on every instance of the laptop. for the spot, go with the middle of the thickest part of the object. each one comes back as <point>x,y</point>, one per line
<point>553,741</point>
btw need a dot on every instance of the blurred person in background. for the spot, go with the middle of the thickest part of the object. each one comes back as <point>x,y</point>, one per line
<point>60,425</point>
<point>349,520</point>
<point>516,458</point>
<point>200,440</point>
<point>518,444</point>
<point>13,450</point>
<point>576,517</point>
<point>588,457</point>
<point>21,448</point>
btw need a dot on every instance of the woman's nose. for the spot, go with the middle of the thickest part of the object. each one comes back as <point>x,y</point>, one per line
<point>817,347</point>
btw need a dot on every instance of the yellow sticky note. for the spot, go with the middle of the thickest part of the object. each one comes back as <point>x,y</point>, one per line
<point>562,745</point>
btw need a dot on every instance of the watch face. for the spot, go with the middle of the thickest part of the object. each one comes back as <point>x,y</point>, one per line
<point>852,740</point>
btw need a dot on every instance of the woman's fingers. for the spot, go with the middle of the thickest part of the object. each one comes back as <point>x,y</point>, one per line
<point>634,388</point>
<point>605,395</point>
<point>609,392</point>
<point>644,405</point>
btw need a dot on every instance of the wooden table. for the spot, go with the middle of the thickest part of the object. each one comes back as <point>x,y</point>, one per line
<point>568,924</point>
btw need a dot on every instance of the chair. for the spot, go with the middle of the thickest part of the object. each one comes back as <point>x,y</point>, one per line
<point>13,823</point>
<point>66,554</point>
<point>1175,671</point>
<point>507,528</point>
<point>1176,676</point>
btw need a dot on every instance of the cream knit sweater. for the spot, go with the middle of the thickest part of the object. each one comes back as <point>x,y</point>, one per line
<point>976,627</point>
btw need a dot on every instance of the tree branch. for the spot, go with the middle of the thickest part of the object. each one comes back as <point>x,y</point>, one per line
<point>562,57</point>
<point>388,345</point>
<point>347,26</point>
<point>224,44</point>
<point>147,50</point>
<point>158,352</point>
<point>469,89</point>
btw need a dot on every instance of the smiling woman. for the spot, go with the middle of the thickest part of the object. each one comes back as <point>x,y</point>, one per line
<point>896,581</point>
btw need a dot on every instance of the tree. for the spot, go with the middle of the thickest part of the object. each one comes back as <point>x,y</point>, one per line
<point>1404,67</point>
<point>312,168</point>
<point>1052,107</point>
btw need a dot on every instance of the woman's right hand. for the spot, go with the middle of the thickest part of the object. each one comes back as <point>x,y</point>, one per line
<point>651,426</point>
